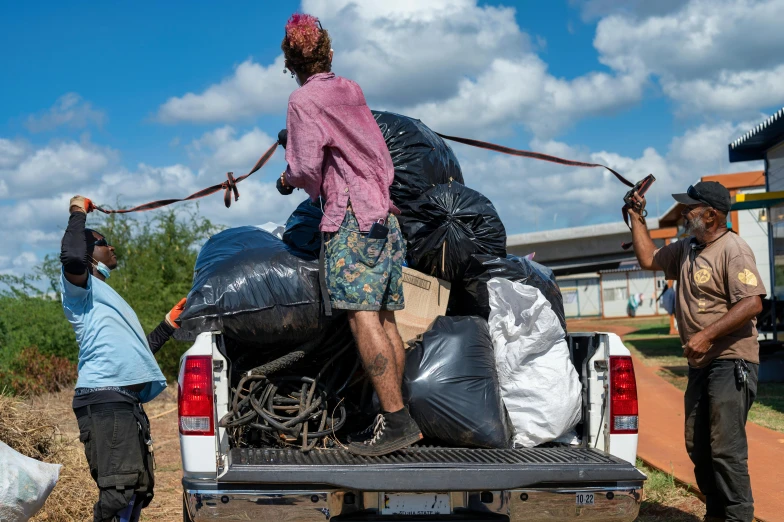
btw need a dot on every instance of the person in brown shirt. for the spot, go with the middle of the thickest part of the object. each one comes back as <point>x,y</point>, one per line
<point>719,296</point>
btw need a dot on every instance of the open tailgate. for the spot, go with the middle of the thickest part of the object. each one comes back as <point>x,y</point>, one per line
<point>429,469</point>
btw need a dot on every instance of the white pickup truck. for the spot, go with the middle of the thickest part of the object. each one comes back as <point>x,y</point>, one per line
<point>596,480</point>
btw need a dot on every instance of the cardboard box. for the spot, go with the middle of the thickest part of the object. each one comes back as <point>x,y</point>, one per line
<point>426,298</point>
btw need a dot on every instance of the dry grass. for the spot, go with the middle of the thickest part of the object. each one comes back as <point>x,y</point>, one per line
<point>31,427</point>
<point>26,430</point>
<point>663,499</point>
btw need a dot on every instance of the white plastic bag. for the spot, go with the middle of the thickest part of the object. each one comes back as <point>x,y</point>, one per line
<point>25,484</point>
<point>539,384</point>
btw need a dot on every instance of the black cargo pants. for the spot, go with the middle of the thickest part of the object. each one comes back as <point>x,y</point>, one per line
<point>115,437</point>
<point>717,405</point>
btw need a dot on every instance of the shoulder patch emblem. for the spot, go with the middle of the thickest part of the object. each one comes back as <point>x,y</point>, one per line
<point>747,277</point>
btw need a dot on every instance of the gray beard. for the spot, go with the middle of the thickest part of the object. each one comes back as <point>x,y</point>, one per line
<point>696,227</point>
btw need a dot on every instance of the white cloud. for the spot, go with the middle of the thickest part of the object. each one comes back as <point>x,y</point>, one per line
<point>711,56</point>
<point>219,151</point>
<point>252,89</point>
<point>52,174</point>
<point>461,65</point>
<point>453,62</point>
<point>529,194</point>
<point>12,153</point>
<point>522,92</point>
<point>69,110</point>
<point>703,149</point>
<point>25,260</point>
<point>405,53</point>
<point>49,168</point>
<point>743,92</point>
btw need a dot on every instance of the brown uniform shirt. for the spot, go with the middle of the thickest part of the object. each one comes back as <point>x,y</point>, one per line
<point>720,275</point>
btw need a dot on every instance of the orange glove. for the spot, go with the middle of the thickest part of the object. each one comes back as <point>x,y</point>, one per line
<point>175,312</point>
<point>81,204</point>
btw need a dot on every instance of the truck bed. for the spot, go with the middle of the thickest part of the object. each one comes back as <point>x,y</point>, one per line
<point>428,468</point>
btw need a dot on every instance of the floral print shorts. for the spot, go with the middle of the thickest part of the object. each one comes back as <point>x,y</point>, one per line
<point>364,273</point>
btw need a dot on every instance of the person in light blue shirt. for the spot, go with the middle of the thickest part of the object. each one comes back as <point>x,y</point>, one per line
<point>117,371</point>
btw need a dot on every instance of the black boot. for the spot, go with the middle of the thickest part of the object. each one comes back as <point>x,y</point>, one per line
<point>392,432</point>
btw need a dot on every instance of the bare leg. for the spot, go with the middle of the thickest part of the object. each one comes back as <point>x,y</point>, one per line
<point>378,357</point>
<point>390,327</point>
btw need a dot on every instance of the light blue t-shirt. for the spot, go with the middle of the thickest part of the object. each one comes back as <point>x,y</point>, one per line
<point>113,349</point>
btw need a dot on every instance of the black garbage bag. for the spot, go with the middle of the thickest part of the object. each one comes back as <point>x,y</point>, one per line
<point>470,297</point>
<point>302,228</point>
<point>447,226</point>
<point>422,159</point>
<point>451,385</point>
<point>254,288</point>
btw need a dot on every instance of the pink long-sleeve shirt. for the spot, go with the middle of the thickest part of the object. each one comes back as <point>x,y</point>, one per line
<point>336,150</point>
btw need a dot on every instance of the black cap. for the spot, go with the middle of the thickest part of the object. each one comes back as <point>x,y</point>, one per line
<point>711,193</point>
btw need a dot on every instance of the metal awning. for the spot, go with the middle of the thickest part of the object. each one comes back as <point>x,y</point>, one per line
<point>752,145</point>
<point>758,200</point>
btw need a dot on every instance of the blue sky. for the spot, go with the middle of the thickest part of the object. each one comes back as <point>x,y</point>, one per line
<point>133,102</point>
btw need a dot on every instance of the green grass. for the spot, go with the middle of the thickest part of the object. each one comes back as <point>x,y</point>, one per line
<point>664,499</point>
<point>646,328</point>
<point>666,353</point>
<point>768,409</point>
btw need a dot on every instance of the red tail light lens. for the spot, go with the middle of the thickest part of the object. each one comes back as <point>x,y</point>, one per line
<point>623,396</point>
<point>195,396</point>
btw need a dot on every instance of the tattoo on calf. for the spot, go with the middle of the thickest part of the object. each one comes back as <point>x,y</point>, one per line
<point>378,367</point>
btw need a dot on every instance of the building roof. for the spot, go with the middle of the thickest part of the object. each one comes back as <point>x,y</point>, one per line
<point>564,234</point>
<point>739,180</point>
<point>752,145</point>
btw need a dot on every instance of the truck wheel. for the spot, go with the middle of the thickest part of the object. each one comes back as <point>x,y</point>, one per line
<point>185,516</point>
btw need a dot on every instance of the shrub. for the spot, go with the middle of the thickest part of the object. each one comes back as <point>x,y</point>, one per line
<point>32,373</point>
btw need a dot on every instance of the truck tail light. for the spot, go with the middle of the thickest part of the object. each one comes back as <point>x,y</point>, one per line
<point>195,397</point>
<point>623,396</point>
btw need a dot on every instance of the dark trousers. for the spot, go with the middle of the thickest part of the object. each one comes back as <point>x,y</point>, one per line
<point>717,406</point>
<point>114,435</point>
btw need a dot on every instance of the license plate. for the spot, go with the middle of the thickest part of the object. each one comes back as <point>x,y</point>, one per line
<point>416,504</point>
<point>584,499</point>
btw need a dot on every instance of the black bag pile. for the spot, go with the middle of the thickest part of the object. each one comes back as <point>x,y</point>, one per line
<point>263,293</point>
<point>470,296</point>
<point>254,288</point>
<point>443,221</point>
<point>451,385</point>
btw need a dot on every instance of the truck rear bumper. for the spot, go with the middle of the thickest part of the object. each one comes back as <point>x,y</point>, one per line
<point>213,501</point>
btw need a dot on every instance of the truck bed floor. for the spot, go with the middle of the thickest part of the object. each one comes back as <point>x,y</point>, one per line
<point>429,468</point>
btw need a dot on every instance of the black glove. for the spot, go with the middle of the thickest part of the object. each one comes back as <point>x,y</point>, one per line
<point>283,190</point>
<point>283,138</point>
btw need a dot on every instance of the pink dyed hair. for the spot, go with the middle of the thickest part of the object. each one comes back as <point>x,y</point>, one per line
<point>303,32</point>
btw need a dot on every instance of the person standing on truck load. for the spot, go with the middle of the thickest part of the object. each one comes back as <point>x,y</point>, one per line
<point>336,151</point>
<point>117,371</point>
<point>719,297</point>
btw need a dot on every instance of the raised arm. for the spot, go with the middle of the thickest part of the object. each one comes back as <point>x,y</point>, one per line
<point>73,249</point>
